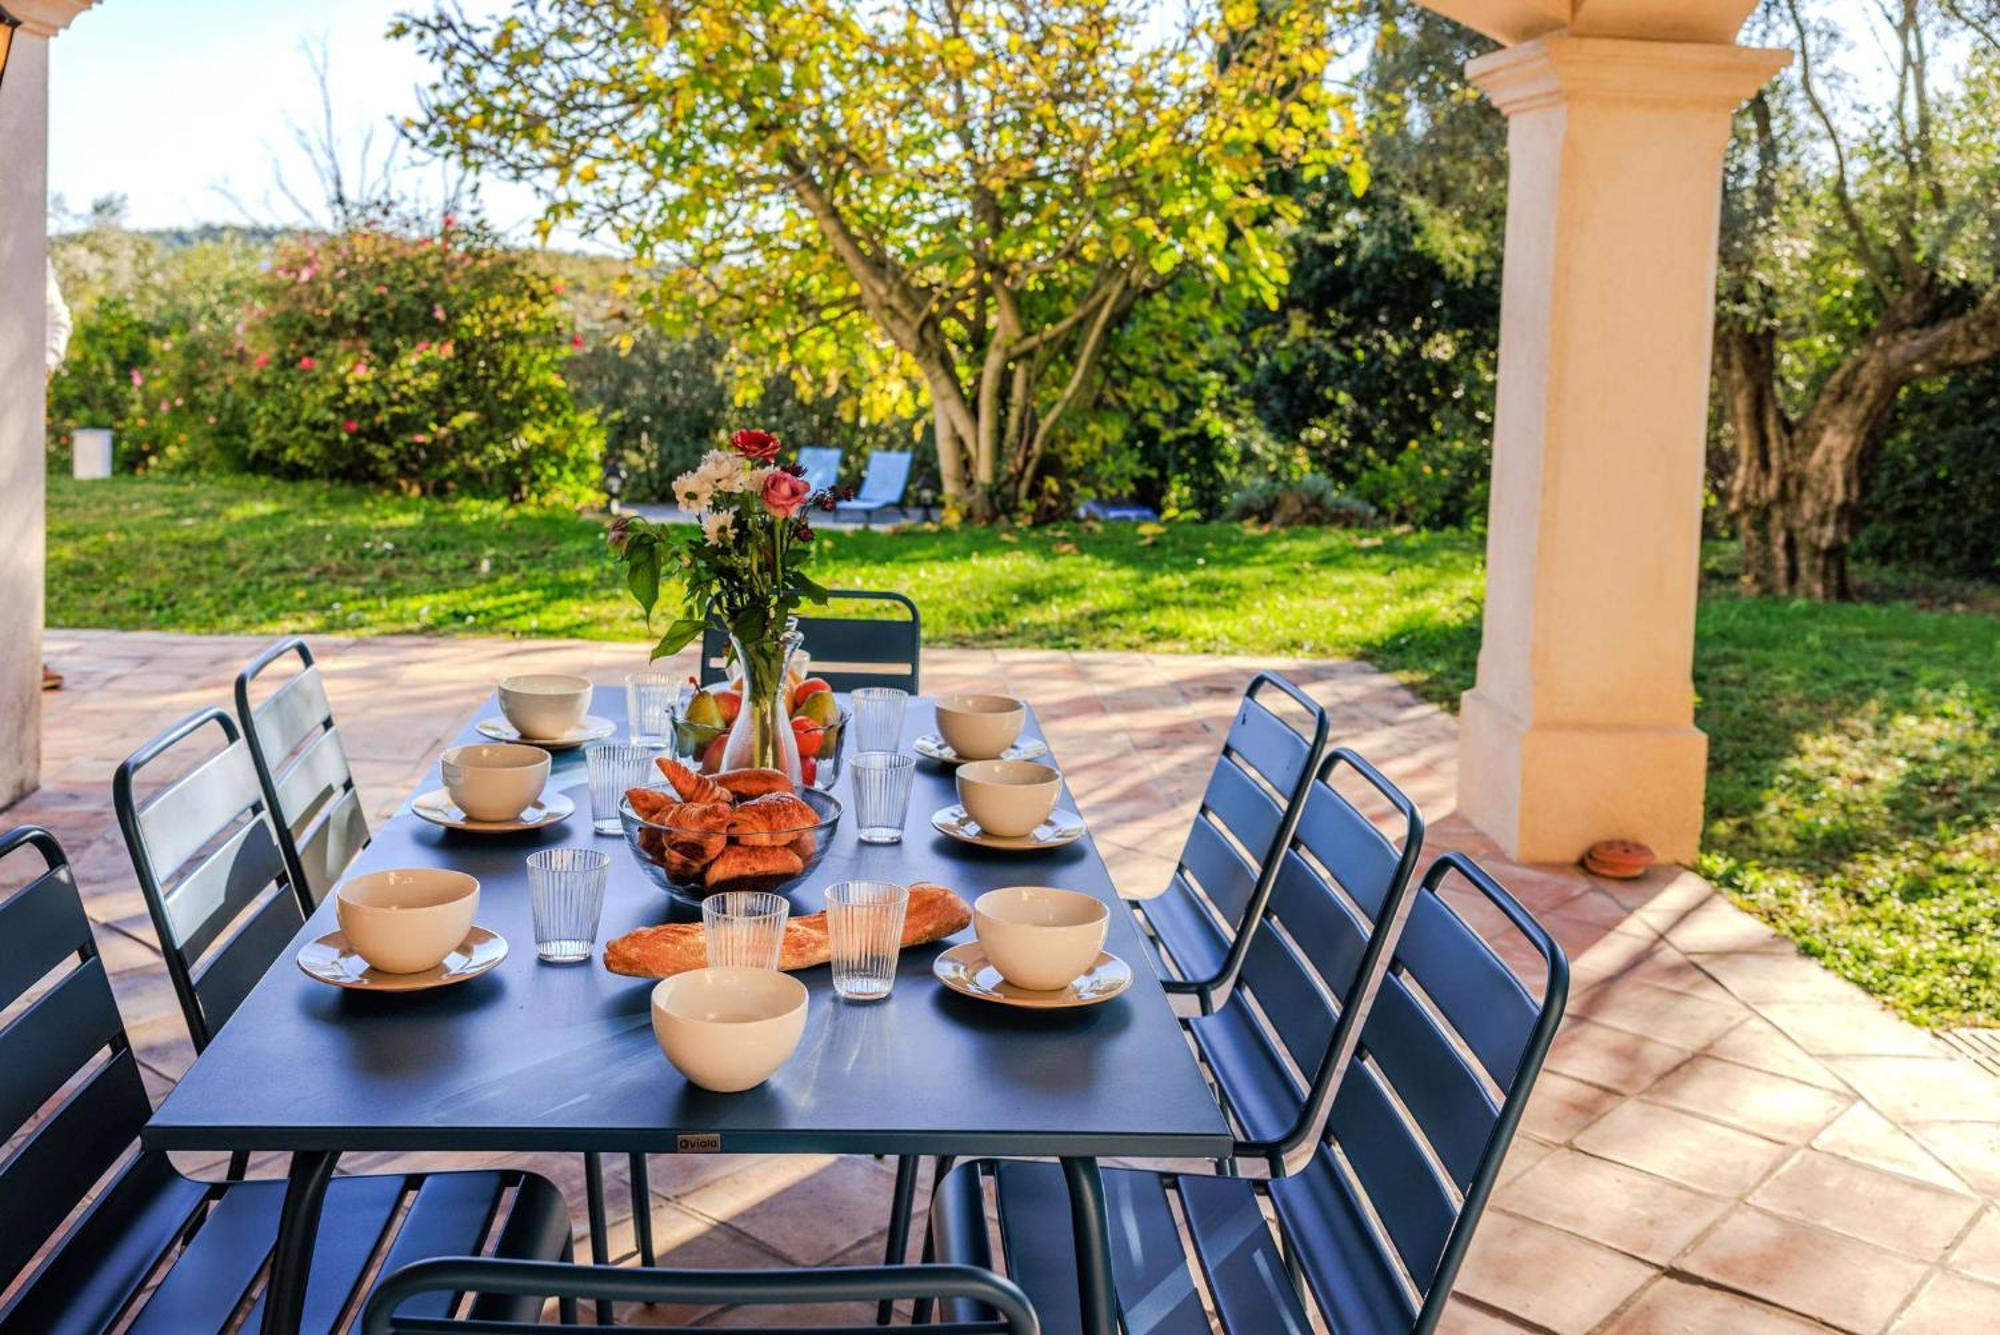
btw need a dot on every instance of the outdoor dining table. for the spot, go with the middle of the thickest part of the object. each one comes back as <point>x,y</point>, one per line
<point>538,1057</point>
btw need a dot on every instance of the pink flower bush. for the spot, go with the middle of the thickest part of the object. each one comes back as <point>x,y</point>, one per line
<point>307,363</point>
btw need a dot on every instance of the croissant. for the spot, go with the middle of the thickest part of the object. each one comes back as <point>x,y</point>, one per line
<point>743,867</point>
<point>698,829</point>
<point>650,804</point>
<point>753,783</point>
<point>691,786</point>
<point>772,820</point>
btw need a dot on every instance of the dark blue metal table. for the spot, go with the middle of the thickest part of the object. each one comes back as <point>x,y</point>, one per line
<point>536,1057</point>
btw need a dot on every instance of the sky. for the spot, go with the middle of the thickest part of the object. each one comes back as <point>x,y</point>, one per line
<point>178,106</point>
<point>173,104</point>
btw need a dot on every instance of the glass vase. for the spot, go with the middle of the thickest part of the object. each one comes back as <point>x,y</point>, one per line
<point>762,737</point>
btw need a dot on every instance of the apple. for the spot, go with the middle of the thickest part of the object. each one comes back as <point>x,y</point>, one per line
<point>711,759</point>
<point>808,770</point>
<point>731,704</point>
<point>807,734</point>
<point>810,686</point>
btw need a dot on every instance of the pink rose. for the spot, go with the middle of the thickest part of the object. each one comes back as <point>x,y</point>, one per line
<point>785,495</point>
<point>307,363</point>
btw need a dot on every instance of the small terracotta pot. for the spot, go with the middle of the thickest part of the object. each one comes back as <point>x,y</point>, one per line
<point>1619,859</point>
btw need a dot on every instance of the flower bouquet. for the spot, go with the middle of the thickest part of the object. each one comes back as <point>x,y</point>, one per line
<point>742,569</point>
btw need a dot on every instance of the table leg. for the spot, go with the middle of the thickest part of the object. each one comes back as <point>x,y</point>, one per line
<point>600,1232</point>
<point>298,1225</point>
<point>1099,1302</point>
<point>896,1251</point>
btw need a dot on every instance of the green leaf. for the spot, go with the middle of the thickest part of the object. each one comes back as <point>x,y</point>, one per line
<point>642,575</point>
<point>684,631</point>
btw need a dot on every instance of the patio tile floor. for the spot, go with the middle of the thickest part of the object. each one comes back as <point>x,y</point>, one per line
<point>1728,1137</point>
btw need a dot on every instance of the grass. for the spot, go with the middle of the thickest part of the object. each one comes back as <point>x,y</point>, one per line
<point>1854,796</point>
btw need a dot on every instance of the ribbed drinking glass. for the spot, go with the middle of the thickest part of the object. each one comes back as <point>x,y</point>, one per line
<point>864,928</point>
<point>744,928</point>
<point>649,706</point>
<point>878,718</point>
<point>881,782</point>
<point>613,768</point>
<point>566,897</point>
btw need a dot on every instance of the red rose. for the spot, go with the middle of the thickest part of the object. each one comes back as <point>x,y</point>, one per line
<point>785,495</point>
<point>759,445</point>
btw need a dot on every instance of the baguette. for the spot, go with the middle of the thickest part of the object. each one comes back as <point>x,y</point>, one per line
<point>660,952</point>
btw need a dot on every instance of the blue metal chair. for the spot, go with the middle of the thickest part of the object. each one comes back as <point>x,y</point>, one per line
<point>303,772</point>
<point>849,652</point>
<point>230,912</point>
<point>822,465</point>
<point>1223,879</point>
<point>882,485</point>
<point>1373,1226</point>
<point>1010,1312</point>
<point>71,1106</point>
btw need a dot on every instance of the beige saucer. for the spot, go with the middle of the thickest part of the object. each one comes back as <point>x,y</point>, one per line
<point>437,807</point>
<point>329,959</point>
<point>594,728</point>
<point>1062,827</point>
<point>965,969</point>
<point>934,747</point>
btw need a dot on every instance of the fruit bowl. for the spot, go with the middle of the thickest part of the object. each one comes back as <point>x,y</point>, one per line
<point>691,864</point>
<point>699,743</point>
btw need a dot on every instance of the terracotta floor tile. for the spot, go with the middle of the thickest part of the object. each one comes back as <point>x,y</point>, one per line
<point>1620,1060</point>
<point>1865,1203</point>
<point>1688,1149</point>
<point>1754,1100</point>
<point>1837,1279</point>
<point>1759,1043</point>
<point>1970,1149</point>
<point>1943,1088</point>
<point>1674,1307</point>
<point>1660,1013</point>
<point>1561,1106</point>
<point>1866,1136</point>
<point>1979,1254</point>
<point>1850,1028</point>
<point>1559,1283</point>
<point>805,1207</point>
<point>1635,1212</point>
<point>1951,1305</point>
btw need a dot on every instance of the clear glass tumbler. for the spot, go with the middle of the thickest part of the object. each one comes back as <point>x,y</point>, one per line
<point>744,928</point>
<point>878,718</point>
<point>881,782</point>
<point>613,768</point>
<point>566,896</point>
<point>649,707</point>
<point>864,928</point>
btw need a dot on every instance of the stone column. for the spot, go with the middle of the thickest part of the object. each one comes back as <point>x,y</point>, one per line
<point>24,204</point>
<point>1581,726</point>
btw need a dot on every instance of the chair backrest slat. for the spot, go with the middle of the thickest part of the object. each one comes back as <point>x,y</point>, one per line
<point>1414,1204</point>
<point>300,788</point>
<point>40,925</point>
<point>1361,858</point>
<point>1327,930</point>
<point>1432,1077</point>
<point>1268,744</point>
<point>60,1160</point>
<point>207,900</point>
<point>199,806</point>
<point>224,919</point>
<point>1224,875</point>
<point>330,844</point>
<point>1477,993</point>
<point>1291,1002</point>
<point>56,1039</point>
<point>1250,814</point>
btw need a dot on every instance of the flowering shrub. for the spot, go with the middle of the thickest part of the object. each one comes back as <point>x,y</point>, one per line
<point>432,363</point>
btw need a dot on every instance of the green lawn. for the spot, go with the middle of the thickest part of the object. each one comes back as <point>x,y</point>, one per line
<point>1855,794</point>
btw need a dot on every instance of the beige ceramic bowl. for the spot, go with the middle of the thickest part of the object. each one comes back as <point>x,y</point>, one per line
<point>406,921</point>
<point>1038,937</point>
<point>494,780</point>
<point>1008,797</point>
<point>545,705</point>
<point>728,1029</point>
<point>980,727</point>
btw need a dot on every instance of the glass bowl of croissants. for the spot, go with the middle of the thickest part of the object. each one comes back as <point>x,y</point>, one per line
<point>698,834</point>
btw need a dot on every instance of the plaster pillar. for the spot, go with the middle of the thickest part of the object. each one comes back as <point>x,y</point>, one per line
<point>24,249</point>
<point>1581,724</point>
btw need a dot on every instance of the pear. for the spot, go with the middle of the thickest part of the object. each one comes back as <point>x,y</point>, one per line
<point>821,708</point>
<point>703,711</point>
